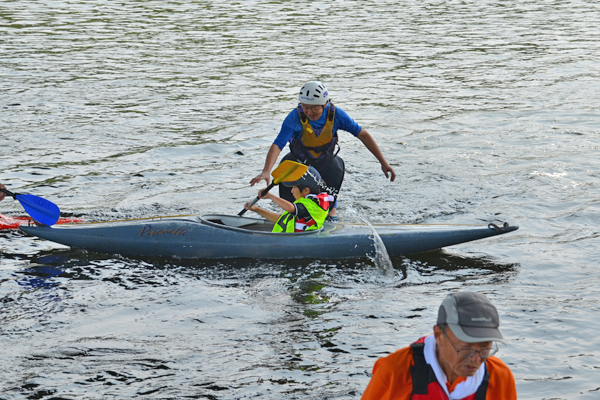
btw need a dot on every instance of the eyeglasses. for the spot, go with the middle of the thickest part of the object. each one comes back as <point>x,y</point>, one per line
<point>466,353</point>
<point>306,108</point>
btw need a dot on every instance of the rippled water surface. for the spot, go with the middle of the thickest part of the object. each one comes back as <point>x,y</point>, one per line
<point>488,111</point>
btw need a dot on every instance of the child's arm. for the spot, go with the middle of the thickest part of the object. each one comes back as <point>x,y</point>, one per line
<point>268,215</point>
<point>284,204</point>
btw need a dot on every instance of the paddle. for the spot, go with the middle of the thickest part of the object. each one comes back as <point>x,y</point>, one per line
<point>287,171</point>
<point>42,210</point>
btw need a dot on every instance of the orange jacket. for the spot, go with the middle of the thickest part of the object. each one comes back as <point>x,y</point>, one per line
<point>392,380</point>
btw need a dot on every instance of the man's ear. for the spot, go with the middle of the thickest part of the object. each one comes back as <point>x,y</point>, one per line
<point>437,331</point>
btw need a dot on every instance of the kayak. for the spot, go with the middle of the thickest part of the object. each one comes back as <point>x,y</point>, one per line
<point>7,222</point>
<point>217,236</point>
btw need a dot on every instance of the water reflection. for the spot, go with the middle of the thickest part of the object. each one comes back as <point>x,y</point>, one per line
<point>82,265</point>
<point>437,261</point>
<point>307,284</point>
<point>39,276</point>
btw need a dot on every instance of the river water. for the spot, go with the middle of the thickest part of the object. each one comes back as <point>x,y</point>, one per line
<point>488,111</point>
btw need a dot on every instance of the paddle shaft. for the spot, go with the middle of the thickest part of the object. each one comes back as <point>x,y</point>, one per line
<point>8,192</point>
<point>253,202</point>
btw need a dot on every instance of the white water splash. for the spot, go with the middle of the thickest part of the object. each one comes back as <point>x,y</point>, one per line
<point>381,258</point>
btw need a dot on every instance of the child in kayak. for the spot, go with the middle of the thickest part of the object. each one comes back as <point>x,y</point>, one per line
<point>307,212</point>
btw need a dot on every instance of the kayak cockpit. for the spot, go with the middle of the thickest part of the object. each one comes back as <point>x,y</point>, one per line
<point>246,224</point>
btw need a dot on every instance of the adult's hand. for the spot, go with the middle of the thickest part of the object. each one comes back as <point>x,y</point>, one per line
<point>269,162</point>
<point>388,171</point>
<point>263,176</point>
<point>2,194</point>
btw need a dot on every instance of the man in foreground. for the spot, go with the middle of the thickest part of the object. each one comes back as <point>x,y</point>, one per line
<point>456,362</point>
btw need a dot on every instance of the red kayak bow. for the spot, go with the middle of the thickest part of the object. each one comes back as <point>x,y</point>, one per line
<point>7,222</point>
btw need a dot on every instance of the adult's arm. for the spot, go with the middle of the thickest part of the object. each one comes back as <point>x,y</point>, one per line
<point>2,194</point>
<point>286,132</point>
<point>265,175</point>
<point>370,144</point>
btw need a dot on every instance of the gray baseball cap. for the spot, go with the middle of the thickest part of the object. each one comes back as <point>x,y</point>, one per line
<point>471,316</point>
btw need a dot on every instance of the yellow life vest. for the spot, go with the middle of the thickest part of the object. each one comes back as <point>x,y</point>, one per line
<point>310,141</point>
<point>289,223</point>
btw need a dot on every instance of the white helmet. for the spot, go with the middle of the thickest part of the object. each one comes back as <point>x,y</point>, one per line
<point>314,92</point>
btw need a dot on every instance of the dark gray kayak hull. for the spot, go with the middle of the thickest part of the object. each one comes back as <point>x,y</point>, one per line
<point>223,236</point>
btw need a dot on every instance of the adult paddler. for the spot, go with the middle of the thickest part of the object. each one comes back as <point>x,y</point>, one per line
<point>311,130</point>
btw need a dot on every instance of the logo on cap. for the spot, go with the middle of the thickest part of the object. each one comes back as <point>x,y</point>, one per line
<point>481,319</point>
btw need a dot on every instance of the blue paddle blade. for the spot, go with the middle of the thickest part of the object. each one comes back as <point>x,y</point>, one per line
<point>41,210</point>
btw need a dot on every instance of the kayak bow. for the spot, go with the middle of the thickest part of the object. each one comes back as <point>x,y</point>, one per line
<point>7,222</point>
